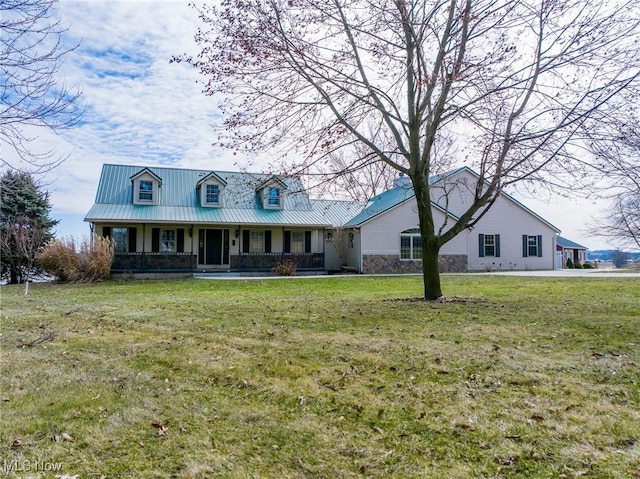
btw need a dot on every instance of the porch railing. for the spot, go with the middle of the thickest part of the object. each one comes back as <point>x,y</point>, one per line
<point>266,261</point>
<point>180,262</point>
<point>137,262</point>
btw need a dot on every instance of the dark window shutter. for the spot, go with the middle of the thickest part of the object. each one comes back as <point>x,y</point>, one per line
<point>481,246</point>
<point>106,231</point>
<point>246,235</point>
<point>497,237</point>
<point>540,246</point>
<point>180,240</point>
<point>287,241</point>
<point>307,241</point>
<point>267,241</point>
<point>525,246</point>
<point>155,240</point>
<point>133,233</point>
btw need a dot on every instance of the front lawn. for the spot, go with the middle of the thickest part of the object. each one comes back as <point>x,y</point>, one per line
<point>338,377</point>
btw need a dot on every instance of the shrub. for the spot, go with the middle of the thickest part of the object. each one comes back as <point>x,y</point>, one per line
<point>96,259</point>
<point>569,263</point>
<point>59,259</point>
<point>88,262</point>
<point>587,265</point>
<point>578,266</point>
<point>285,268</point>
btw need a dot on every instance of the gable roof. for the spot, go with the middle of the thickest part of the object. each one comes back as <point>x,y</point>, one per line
<point>212,175</point>
<point>387,200</point>
<point>147,170</point>
<point>565,243</point>
<point>404,192</point>
<point>179,200</point>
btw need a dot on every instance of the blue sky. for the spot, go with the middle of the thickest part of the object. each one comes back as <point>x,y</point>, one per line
<point>142,110</point>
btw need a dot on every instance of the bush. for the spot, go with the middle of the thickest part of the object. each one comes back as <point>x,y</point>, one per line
<point>569,263</point>
<point>96,259</point>
<point>578,266</point>
<point>88,262</point>
<point>588,265</point>
<point>59,259</point>
<point>285,268</point>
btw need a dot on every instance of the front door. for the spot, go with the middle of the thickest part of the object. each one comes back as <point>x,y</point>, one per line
<point>213,247</point>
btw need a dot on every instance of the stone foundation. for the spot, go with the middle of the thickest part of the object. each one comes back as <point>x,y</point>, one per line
<point>391,264</point>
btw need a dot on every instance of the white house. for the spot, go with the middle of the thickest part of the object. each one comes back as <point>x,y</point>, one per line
<point>171,219</point>
<point>508,237</point>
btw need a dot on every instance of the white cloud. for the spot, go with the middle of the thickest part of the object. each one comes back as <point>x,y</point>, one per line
<point>140,109</point>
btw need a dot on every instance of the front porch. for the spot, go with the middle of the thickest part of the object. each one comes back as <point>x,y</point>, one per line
<point>188,262</point>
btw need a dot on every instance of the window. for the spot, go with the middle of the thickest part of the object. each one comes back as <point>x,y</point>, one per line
<point>213,194</point>
<point>119,237</point>
<point>297,242</point>
<point>256,242</point>
<point>146,190</point>
<point>411,244</point>
<point>489,245</point>
<point>168,241</point>
<point>350,240</point>
<point>531,245</point>
<point>273,196</point>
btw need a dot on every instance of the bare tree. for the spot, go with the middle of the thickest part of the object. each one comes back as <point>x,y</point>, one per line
<point>25,237</point>
<point>361,183</point>
<point>518,85</point>
<point>619,164</point>
<point>31,92</point>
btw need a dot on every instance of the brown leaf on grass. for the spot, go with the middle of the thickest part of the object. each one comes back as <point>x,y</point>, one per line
<point>62,437</point>
<point>637,473</point>
<point>162,430</point>
<point>16,444</point>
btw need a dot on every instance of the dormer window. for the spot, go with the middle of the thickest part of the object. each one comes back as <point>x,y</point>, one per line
<point>146,187</point>
<point>271,193</point>
<point>146,191</point>
<point>213,194</point>
<point>274,197</point>
<point>210,188</point>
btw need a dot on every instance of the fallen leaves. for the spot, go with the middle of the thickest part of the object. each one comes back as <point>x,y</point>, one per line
<point>63,437</point>
<point>162,430</point>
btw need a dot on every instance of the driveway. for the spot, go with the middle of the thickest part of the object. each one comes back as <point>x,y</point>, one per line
<point>573,273</point>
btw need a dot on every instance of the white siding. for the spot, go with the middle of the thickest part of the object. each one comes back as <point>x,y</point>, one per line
<point>381,236</point>
<point>507,218</point>
<point>511,221</point>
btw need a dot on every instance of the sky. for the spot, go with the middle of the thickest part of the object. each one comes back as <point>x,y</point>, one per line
<point>140,109</point>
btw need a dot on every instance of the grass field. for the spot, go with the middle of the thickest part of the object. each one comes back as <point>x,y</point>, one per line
<point>337,377</point>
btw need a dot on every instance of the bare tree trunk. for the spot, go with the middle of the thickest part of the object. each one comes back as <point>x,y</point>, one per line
<point>430,242</point>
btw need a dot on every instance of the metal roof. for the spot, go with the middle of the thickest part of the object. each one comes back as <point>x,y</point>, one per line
<point>337,212</point>
<point>403,191</point>
<point>381,203</point>
<point>179,202</point>
<point>565,243</point>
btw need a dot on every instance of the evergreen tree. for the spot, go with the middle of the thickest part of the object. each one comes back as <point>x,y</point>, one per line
<point>25,225</point>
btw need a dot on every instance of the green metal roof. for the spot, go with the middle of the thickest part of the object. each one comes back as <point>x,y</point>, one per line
<point>178,200</point>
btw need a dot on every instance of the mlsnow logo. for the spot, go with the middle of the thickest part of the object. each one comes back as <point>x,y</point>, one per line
<point>30,466</point>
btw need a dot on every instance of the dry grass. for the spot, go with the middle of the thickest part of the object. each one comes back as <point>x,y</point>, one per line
<point>331,377</point>
<point>85,262</point>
